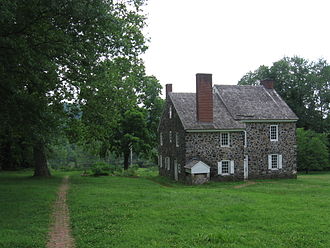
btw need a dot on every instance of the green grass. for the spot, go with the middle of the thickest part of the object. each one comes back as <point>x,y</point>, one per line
<point>153,212</point>
<point>25,207</point>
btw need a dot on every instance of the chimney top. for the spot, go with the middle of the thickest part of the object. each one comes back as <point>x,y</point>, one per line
<point>168,89</point>
<point>204,97</point>
<point>268,83</point>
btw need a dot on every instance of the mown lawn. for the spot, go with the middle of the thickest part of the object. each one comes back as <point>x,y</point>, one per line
<point>25,207</point>
<point>139,212</point>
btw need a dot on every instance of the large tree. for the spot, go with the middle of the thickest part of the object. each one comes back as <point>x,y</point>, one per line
<point>50,53</point>
<point>304,85</point>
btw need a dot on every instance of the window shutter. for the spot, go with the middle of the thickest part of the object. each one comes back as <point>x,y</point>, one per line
<point>232,167</point>
<point>219,168</point>
<point>280,161</point>
<point>269,162</point>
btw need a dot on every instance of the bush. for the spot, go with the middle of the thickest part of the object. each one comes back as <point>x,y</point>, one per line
<point>130,172</point>
<point>102,169</point>
<point>313,152</point>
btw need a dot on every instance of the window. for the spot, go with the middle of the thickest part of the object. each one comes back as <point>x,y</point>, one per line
<point>170,136</point>
<point>176,139</point>
<point>245,139</point>
<point>179,168</point>
<point>273,133</point>
<point>274,161</point>
<point>161,139</point>
<point>224,139</point>
<point>160,162</point>
<point>170,112</point>
<point>226,167</point>
<point>167,163</point>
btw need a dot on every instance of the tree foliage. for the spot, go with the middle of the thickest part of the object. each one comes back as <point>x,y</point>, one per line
<point>304,85</point>
<point>52,52</point>
<point>313,152</point>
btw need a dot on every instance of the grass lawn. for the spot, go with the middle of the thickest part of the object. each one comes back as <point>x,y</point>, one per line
<point>139,212</point>
<point>25,207</point>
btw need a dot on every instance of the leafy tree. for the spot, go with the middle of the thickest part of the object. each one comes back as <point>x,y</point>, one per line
<point>313,153</point>
<point>304,85</point>
<point>50,52</point>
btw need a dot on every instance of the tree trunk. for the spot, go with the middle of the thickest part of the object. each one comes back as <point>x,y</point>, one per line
<point>40,161</point>
<point>126,157</point>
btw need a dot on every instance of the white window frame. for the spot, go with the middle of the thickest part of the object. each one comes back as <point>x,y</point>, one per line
<point>279,161</point>
<point>176,139</point>
<point>161,138</point>
<point>245,139</point>
<point>170,136</point>
<point>231,167</point>
<point>224,145</point>
<point>170,112</point>
<point>271,133</point>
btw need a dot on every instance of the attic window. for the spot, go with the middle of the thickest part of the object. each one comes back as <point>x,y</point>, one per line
<point>170,112</point>
<point>224,139</point>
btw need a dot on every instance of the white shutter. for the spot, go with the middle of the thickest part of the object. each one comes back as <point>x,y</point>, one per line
<point>232,167</point>
<point>269,162</point>
<point>280,161</point>
<point>219,168</point>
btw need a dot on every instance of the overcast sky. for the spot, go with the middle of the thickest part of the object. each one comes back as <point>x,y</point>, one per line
<point>228,38</point>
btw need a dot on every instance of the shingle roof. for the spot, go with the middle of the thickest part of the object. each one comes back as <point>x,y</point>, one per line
<point>233,103</point>
<point>185,105</point>
<point>245,102</point>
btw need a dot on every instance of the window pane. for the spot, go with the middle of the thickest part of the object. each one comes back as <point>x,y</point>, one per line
<point>274,161</point>
<point>225,139</point>
<point>225,167</point>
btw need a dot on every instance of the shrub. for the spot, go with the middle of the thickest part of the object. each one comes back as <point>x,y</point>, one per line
<point>313,153</point>
<point>103,169</point>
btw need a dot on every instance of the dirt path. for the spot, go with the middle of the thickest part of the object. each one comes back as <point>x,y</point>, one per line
<point>59,234</point>
<point>244,185</point>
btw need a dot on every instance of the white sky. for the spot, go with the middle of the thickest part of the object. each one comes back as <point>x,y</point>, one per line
<point>228,38</point>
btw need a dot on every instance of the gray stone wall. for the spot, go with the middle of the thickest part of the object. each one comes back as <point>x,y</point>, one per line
<point>259,146</point>
<point>206,147</point>
<point>169,149</point>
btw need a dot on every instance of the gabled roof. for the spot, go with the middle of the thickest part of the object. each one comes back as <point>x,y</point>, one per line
<point>233,104</point>
<point>245,102</point>
<point>195,166</point>
<point>185,105</point>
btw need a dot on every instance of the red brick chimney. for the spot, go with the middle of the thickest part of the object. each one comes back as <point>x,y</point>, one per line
<point>268,83</point>
<point>204,97</point>
<point>168,89</point>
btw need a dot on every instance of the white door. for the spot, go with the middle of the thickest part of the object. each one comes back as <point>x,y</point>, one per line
<point>246,167</point>
<point>175,170</point>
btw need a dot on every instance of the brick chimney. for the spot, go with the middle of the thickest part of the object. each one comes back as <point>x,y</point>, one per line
<point>204,97</point>
<point>268,83</point>
<point>168,89</point>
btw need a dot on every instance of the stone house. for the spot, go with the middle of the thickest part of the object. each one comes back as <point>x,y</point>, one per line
<point>226,132</point>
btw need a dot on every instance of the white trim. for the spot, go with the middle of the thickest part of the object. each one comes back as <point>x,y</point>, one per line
<point>220,168</point>
<point>221,140</point>
<point>245,139</point>
<point>161,138</point>
<point>160,161</point>
<point>170,112</point>
<point>177,139</point>
<point>232,167</point>
<point>270,164</point>
<point>213,130</point>
<point>280,161</point>
<point>270,132</point>
<point>176,176</point>
<point>275,120</point>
